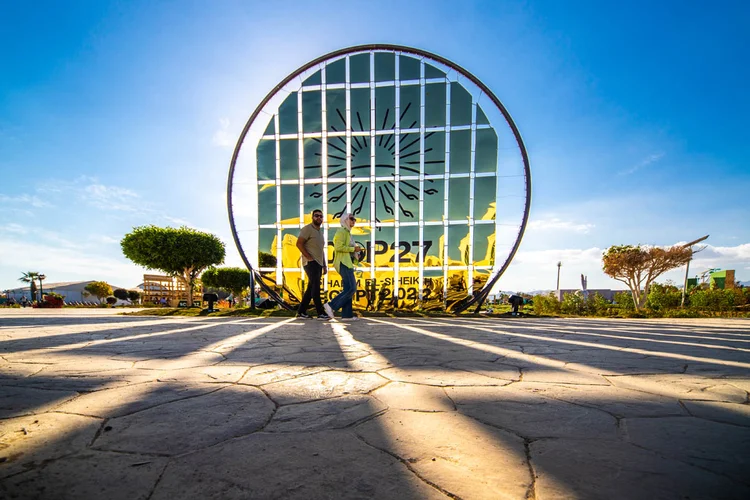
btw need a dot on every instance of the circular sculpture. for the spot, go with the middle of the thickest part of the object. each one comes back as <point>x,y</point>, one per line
<point>419,150</point>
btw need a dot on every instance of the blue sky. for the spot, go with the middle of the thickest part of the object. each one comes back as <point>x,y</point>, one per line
<point>118,114</point>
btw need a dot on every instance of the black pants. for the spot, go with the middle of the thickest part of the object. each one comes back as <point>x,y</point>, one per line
<point>314,272</point>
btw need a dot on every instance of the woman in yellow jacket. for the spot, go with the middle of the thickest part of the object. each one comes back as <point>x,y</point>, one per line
<point>344,260</point>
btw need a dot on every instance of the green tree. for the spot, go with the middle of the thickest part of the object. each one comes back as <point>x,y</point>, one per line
<point>232,279</point>
<point>266,259</point>
<point>30,277</point>
<point>638,266</point>
<point>134,296</point>
<point>183,253</point>
<point>121,294</point>
<point>99,289</point>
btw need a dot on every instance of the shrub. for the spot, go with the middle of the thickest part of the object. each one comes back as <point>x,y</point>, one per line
<point>121,294</point>
<point>714,300</point>
<point>546,304</point>
<point>624,300</point>
<point>600,306</point>
<point>662,297</point>
<point>573,303</point>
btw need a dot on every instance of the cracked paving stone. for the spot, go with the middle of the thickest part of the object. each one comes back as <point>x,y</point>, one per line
<point>267,374</point>
<point>401,396</point>
<point>92,474</point>
<point>221,373</point>
<point>718,447</point>
<point>133,398</point>
<point>571,468</point>
<point>79,382</point>
<point>323,385</point>
<point>496,370</point>
<point>729,413</point>
<point>614,400</point>
<point>189,424</point>
<point>191,360</point>
<point>439,376</point>
<point>740,383</point>
<point>562,376</point>
<point>460,455</point>
<point>18,401</point>
<point>318,465</point>
<point>335,413</point>
<point>531,415</point>
<point>27,442</point>
<point>681,386</point>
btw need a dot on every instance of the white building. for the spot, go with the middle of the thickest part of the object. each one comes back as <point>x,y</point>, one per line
<point>72,291</point>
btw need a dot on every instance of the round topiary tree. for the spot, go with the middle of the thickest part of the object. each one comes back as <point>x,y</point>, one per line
<point>134,296</point>
<point>232,279</point>
<point>182,252</point>
<point>99,289</point>
<point>121,294</point>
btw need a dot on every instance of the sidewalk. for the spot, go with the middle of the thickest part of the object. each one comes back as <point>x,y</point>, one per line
<point>100,406</point>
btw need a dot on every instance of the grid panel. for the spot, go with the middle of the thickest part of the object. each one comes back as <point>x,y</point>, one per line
<point>399,160</point>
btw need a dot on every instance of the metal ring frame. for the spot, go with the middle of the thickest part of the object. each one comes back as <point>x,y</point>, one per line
<point>470,300</point>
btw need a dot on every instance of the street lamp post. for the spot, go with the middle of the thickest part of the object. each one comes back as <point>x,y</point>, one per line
<point>687,268</point>
<point>559,265</point>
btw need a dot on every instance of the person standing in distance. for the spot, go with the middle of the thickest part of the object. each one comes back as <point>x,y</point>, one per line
<point>312,246</point>
<point>345,260</point>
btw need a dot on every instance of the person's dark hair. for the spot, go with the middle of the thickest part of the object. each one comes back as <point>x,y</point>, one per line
<point>317,210</point>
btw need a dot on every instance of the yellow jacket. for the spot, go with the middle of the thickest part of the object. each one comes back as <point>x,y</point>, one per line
<point>343,252</point>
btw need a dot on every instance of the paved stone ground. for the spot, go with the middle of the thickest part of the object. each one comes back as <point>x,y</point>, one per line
<point>100,406</point>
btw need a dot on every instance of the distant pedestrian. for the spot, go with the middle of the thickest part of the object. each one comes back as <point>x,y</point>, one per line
<point>345,257</point>
<point>312,246</point>
<point>163,302</point>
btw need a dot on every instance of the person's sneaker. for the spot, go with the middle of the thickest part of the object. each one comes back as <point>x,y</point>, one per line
<point>323,317</point>
<point>328,310</point>
<point>303,316</point>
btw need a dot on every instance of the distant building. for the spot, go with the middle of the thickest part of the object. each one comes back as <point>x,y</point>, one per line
<point>172,289</point>
<point>72,291</point>
<point>722,279</point>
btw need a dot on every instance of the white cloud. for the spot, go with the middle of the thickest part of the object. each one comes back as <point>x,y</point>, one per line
<point>569,255</point>
<point>177,221</point>
<point>643,163</point>
<point>101,239</point>
<point>555,224</point>
<point>63,264</point>
<point>24,200</point>
<point>37,234</point>
<point>110,197</point>
<point>723,257</point>
<point>221,136</point>
<point>14,228</point>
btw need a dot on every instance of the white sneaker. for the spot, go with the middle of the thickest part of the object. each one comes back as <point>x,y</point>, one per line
<point>328,310</point>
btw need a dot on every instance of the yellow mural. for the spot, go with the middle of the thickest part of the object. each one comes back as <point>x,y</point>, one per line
<point>376,290</point>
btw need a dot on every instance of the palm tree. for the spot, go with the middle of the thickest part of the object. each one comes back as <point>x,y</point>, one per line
<point>30,277</point>
<point>41,278</point>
